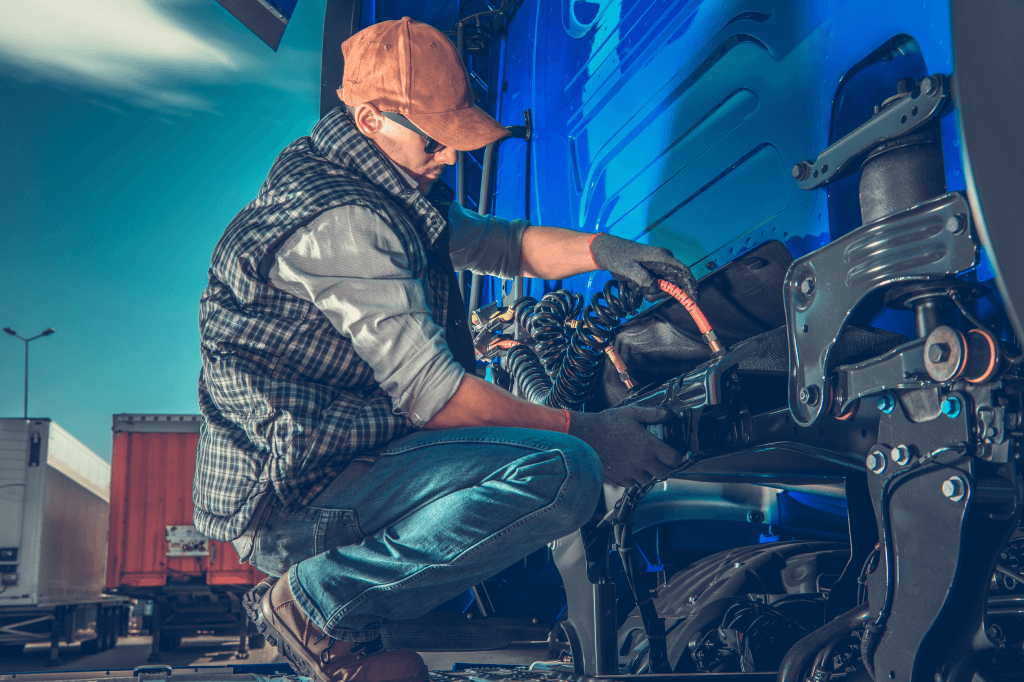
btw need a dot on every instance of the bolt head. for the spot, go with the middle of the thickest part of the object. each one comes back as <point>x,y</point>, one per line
<point>887,403</point>
<point>875,461</point>
<point>954,488</point>
<point>807,286</point>
<point>900,454</point>
<point>939,352</point>
<point>956,224</point>
<point>951,407</point>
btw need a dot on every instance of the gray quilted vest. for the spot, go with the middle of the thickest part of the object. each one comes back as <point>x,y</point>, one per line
<point>287,403</point>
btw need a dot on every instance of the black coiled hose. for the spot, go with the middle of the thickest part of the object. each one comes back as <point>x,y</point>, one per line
<point>577,377</point>
<point>528,374</point>
<point>571,366</point>
<point>547,327</point>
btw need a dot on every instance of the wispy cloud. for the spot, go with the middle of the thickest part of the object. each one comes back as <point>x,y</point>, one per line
<point>125,48</point>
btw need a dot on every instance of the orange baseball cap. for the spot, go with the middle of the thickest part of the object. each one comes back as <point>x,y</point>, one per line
<point>412,69</point>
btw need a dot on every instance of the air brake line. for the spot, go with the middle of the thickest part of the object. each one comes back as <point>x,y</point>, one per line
<point>708,334</point>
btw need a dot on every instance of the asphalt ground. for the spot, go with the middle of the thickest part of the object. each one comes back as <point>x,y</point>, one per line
<point>194,652</point>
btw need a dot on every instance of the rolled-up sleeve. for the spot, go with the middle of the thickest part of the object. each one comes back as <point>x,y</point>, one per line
<point>351,265</point>
<point>485,244</point>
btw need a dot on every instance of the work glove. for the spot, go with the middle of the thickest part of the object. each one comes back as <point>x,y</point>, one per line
<point>642,264</point>
<point>631,455</point>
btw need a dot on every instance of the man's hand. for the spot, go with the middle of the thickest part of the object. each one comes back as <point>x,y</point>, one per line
<point>642,264</point>
<point>631,455</point>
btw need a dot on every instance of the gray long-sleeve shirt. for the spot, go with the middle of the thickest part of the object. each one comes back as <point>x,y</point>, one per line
<point>353,268</point>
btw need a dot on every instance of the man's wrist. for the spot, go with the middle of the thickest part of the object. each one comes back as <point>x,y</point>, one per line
<point>590,248</point>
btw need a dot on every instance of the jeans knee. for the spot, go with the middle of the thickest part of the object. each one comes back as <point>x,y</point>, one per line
<point>587,484</point>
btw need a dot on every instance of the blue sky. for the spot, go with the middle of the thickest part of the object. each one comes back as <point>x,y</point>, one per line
<point>133,131</point>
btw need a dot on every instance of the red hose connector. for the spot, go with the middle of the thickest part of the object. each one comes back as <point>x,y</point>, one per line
<point>504,343</point>
<point>695,312</point>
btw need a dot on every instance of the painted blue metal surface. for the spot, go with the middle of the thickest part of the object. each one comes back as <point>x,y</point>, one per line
<point>676,122</point>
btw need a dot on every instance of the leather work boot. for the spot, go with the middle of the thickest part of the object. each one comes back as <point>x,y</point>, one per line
<point>318,656</point>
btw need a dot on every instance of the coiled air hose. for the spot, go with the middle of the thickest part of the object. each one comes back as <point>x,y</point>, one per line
<point>563,373</point>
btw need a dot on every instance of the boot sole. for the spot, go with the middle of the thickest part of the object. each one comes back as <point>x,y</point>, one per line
<point>252,601</point>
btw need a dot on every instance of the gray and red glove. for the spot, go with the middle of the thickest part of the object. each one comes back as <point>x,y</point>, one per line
<point>642,264</point>
<point>631,455</point>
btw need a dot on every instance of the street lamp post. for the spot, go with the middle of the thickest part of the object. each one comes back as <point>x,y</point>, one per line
<point>45,332</point>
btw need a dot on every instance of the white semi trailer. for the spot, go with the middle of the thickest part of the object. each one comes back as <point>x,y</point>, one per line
<point>54,509</point>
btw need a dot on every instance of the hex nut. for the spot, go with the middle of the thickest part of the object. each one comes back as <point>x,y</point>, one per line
<point>809,395</point>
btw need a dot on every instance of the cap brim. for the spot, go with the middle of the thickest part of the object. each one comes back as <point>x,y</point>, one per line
<point>463,129</point>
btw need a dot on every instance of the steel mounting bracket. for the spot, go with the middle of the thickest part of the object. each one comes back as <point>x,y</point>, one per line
<point>922,104</point>
<point>929,241</point>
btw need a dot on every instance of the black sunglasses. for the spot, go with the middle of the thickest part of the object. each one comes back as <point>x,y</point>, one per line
<point>432,146</point>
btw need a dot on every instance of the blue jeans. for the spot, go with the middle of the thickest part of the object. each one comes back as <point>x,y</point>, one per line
<point>436,513</point>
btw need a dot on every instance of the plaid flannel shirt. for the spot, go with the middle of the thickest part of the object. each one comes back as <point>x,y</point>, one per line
<point>287,403</point>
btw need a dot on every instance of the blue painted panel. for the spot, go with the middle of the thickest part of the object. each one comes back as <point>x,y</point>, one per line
<point>441,14</point>
<point>676,121</point>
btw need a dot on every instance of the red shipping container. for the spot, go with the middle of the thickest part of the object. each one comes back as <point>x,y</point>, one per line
<point>153,466</point>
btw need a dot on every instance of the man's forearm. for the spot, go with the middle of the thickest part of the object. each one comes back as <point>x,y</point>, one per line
<point>555,253</point>
<point>479,403</point>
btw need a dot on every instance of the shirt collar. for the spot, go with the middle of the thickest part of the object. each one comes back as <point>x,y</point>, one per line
<point>405,176</point>
<point>337,139</point>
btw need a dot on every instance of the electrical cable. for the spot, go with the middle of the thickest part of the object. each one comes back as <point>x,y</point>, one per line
<point>573,366</point>
<point>870,564</point>
<point>955,296</point>
<point>622,531</point>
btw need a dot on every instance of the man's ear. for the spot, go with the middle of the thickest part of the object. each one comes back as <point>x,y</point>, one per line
<point>368,119</point>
